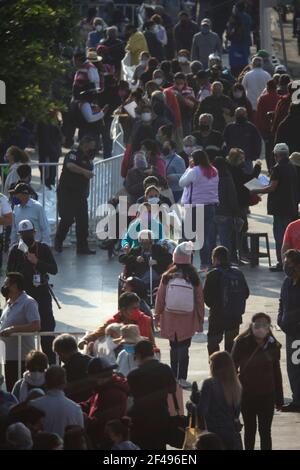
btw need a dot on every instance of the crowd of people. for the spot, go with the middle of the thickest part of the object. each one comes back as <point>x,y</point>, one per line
<point>194,132</point>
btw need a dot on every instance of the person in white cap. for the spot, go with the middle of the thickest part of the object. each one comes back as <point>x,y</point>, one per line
<point>35,261</point>
<point>283,197</point>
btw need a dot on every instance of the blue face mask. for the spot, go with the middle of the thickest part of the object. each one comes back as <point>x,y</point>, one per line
<point>16,201</point>
<point>129,348</point>
<point>205,29</point>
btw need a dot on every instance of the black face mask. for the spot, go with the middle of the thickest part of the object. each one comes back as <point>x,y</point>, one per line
<point>5,292</point>
<point>204,127</point>
<point>166,151</point>
<point>241,119</point>
<point>28,239</point>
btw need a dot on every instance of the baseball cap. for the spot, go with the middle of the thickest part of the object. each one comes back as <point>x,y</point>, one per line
<point>280,68</point>
<point>206,21</point>
<point>25,226</point>
<point>263,54</point>
<point>281,148</point>
<point>21,188</point>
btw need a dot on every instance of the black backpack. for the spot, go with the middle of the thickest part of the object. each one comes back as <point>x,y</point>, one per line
<point>234,292</point>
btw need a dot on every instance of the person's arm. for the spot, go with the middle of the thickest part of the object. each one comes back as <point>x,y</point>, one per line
<point>7,217</point>
<point>268,189</point>
<point>256,143</point>
<point>287,242</point>
<point>160,301</point>
<point>211,286</point>
<point>187,178</point>
<point>88,115</point>
<point>204,398</point>
<point>94,78</point>
<point>180,169</point>
<point>279,396</point>
<point>13,236</point>
<point>219,47</point>
<point>195,54</point>
<point>47,264</point>
<point>89,338</point>
<point>28,328</point>
<point>78,170</point>
<point>199,301</point>
<point>280,308</point>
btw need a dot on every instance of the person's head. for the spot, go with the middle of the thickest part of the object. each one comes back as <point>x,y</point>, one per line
<point>36,361</point>
<point>98,24</point>
<point>79,58</point>
<point>200,158</point>
<point>238,91</point>
<point>217,89</point>
<point>16,155</point>
<point>150,181</point>
<point>123,89</point>
<point>113,330</point>
<point>223,369</point>
<point>271,86</point>
<point>257,63</point>
<point>283,83</point>
<point>13,285</point>
<point>19,437</point>
<point>206,123</point>
<point>216,72</point>
<point>183,253</point>
<point>158,102</point>
<point>241,115</point>
<point>152,64</point>
<point>189,143</point>
<point>55,378</point>
<point>151,149</point>
<point>118,430</point>
<point>130,29</point>
<point>281,152</point>
<point>205,26</point>
<point>236,157</point>
<point>166,67</point>
<point>20,194</point>
<point>295,159</point>
<point>149,26</point>
<point>24,173</point>
<point>26,232</point>
<point>87,146</point>
<point>158,78</point>
<point>180,81</point>
<point>214,59</point>
<point>140,161</point>
<point>75,438</point>
<point>165,133</point>
<point>157,19</point>
<point>292,264</point>
<point>203,78</point>
<point>151,87</point>
<point>152,195</point>
<point>143,352</point>
<point>112,32</point>
<point>183,56</point>
<point>221,165</point>
<point>209,441</point>
<point>184,18</point>
<point>100,371</point>
<point>196,67</point>
<point>134,284</point>
<point>168,148</point>
<point>261,326</point>
<point>146,236</point>
<point>275,78</point>
<point>47,441</point>
<point>65,346</point>
<point>30,416</point>
<point>220,256</point>
<point>128,303</point>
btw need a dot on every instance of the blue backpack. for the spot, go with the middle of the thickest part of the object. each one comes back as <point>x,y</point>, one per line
<point>234,292</point>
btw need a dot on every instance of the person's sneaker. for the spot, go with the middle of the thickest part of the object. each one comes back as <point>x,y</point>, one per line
<point>58,247</point>
<point>86,251</point>
<point>291,408</point>
<point>278,268</point>
<point>185,384</point>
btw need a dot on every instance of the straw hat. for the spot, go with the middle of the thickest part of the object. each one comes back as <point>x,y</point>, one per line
<point>93,57</point>
<point>130,334</point>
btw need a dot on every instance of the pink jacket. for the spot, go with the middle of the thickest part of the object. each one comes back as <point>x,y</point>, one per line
<point>183,326</point>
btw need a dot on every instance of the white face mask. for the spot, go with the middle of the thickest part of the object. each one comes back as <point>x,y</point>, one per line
<point>260,333</point>
<point>188,150</point>
<point>238,94</point>
<point>144,62</point>
<point>153,200</point>
<point>146,117</point>
<point>156,29</point>
<point>182,60</point>
<point>111,346</point>
<point>99,28</point>
<point>158,81</point>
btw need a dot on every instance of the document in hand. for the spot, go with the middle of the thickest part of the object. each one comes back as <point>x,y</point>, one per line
<point>257,183</point>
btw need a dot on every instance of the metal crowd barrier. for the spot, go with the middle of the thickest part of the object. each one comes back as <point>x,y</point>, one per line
<point>37,337</point>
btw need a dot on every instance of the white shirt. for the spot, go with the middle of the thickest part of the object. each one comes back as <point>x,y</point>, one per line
<point>5,208</point>
<point>11,178</point>
<point>34,212</point>
<point>255,82</point>
<point>93,75</point>
<point>60,412</point>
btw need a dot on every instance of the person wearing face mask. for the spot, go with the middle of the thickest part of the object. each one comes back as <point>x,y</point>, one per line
<point>73,192</point>
<point>136,43</point>
<point>36,364</point>
<point>205,43</point>
<point>155,46</point>
<point>207,138</point>
<point>239,34</point>
<point>20,315</point>
<point>204,85</point>
<point>256,354</point>
<point>244,135</point>
<point>163,114</point>
<point>142,66</point>
<point>184,31</point>
<point>34,260</point>
<point>186,101</point>
<point>148,74</point>
<point>184,61</point>
<point>159,29</point>
<point>239,98</point>
<point>175,167</point>
<point>158,78</point>
<point>218,104</point>
<point>289,321</point>
<point>189,145</point>
<point>94,37</point>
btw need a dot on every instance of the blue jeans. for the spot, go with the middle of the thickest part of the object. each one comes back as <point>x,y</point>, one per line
<point>209,235</point>
<point>293,370</point>
<point>224,226</point>
<point>179,358</point>
<point>280,223</point>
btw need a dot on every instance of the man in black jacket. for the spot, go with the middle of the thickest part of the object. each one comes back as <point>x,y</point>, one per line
<point>154,45</point>
<point>35,261</point>
<point>225,293</point>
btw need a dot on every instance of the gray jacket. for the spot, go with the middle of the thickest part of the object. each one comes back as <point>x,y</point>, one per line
<point>204,45</point>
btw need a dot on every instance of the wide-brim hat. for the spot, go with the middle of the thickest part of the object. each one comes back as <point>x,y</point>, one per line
<point>93,57</point>
<point>130,335</point>
<point>295,159</point>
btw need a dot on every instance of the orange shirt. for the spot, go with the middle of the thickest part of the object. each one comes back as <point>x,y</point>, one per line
<point>292,235</point>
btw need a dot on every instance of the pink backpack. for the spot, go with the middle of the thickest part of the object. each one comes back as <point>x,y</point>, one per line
<point>180,297</point>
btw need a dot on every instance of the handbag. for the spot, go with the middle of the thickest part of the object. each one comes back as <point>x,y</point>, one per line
<point>193,431</point>
<point>177,421</point>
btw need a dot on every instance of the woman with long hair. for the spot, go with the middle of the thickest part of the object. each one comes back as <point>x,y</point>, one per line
<point>15,157</point>
<point>256,354</point>
<point>200,182</point>
<point>219,401</point>
<point>179,309</point>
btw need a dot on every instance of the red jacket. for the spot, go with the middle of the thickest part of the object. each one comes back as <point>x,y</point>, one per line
<point>109,402</point>
<point>281,112</point>
<point>266,104</point>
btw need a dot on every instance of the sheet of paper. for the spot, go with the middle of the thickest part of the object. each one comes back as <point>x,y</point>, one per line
<point>255,184</point>
<point>130,108</point>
